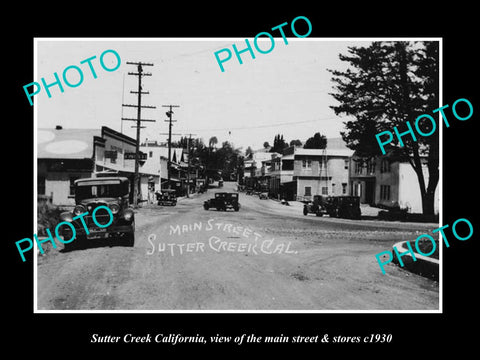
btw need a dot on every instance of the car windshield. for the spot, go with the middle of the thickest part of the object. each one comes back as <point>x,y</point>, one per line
<point>97,191</point>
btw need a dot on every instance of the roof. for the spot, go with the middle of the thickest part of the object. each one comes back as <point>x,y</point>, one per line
<point>65,143</point>
<point>329,152</point>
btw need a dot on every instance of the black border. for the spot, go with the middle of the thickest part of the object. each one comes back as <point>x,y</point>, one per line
<point>433,332</point>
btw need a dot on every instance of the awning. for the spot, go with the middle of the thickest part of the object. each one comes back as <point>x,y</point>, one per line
<point>119,168</point>
<point>114,167</point>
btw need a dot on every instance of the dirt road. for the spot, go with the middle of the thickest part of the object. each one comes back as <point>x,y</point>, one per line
<point>265,257</point>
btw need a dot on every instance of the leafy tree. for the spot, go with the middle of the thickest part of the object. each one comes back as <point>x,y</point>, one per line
<point>248,152</point>
<point>266,145</point>
<point>212,142</point>
<point>295,143</point>
<point>279,144</point>
<point>317,141</point>
<point>387,84</point>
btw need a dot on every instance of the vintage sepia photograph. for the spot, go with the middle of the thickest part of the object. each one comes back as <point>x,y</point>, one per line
<point>269,174</point>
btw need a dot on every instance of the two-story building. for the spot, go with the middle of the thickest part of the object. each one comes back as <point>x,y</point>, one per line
<point>182,174</point>
<point>388,182</point>
<point>300,173</point>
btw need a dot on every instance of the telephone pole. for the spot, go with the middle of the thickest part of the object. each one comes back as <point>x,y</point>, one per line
<point>188,167</point>
<point>169,114</point>
<point>139,120</point>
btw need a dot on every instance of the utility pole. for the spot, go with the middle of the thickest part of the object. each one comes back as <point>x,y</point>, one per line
<point>169,114</point>
<point>139,120</point>
<point>188,167</point>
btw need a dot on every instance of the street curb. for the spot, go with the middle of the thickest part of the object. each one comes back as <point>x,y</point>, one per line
<point>425,266</point>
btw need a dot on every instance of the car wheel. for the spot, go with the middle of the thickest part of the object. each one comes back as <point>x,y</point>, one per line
<point>129,240</point>
<point>305,211</point>
<point>205,206</point>
<point>75,244</point>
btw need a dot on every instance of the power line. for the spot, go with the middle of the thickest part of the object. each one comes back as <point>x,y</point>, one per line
<point>266,126</point>
<point>279,124</point>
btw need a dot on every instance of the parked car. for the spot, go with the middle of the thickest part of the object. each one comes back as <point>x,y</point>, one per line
<point>91,193</point>
<point>344,207</point>
<point>167,197</point>
<point>223,201</point>
<point>263,195</point>
<point>317,206</point>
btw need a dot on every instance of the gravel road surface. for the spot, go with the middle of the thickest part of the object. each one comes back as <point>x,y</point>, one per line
<point>267,256</point>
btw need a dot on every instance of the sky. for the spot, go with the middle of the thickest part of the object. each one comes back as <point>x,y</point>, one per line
<point>283,92</point>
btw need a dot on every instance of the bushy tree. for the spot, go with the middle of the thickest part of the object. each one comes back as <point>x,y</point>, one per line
<point>385,85</point>
<point>295,142</point>
<point>279,144</point>
<point>317,141</point>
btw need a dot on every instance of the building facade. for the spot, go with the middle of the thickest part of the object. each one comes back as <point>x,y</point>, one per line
<point>388,183</point>
<point>299,174</point>
<point>65,155</point>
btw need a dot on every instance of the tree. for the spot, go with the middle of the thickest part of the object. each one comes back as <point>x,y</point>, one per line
<point>212,142</point>
<point>295,143</point>
<point>266,145</point>
<point>317,141</point>
<point>279,144</point>
<point>248,152</point>
<point>387,84</point>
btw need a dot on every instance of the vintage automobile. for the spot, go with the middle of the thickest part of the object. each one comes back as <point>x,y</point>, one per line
<point>167,197</point>
<point>223,201</point>
<point>249,191</point>
<point>317,206</point>
<point>344,206</point>
<point>90,193</point>
<point>341,206</point>
<point>263,196</point>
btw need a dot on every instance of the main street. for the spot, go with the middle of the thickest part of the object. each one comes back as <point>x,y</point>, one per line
<point>267,256</point>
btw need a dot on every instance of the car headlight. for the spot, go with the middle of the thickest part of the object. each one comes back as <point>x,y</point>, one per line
<point>79,209</point>
<point>128,214</point>
<point>115,208</point>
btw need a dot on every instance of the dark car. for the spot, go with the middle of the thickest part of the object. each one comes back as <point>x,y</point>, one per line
<point>317,206</point>
<point>223,201</point>
<point>344,206</point>
<point>167,197</point>
<point>103,192</point>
